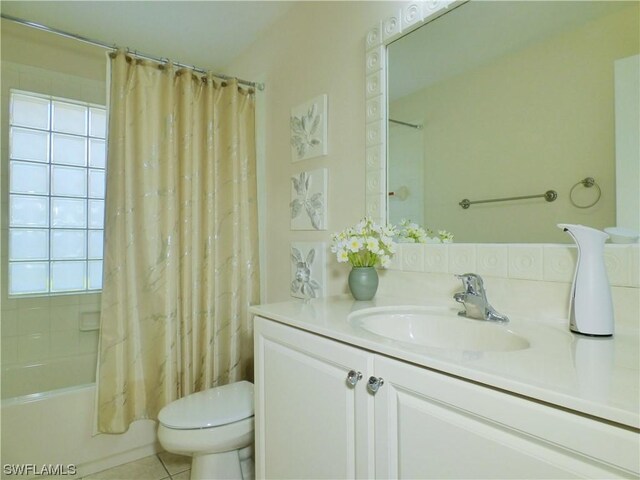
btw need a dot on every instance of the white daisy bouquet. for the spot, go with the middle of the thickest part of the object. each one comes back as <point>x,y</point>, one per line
<point>410,232</point>
<point>366,244</point>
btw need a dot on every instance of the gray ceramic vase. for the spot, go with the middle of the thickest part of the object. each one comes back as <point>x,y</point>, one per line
<point>363,282</point>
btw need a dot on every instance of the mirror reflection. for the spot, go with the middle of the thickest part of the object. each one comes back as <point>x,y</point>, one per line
<point>501,100</point>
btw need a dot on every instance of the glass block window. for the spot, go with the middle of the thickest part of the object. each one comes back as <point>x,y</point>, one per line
<point>57,161</point>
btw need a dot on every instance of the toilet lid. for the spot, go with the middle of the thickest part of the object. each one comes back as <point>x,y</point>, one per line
<point>210,408</point>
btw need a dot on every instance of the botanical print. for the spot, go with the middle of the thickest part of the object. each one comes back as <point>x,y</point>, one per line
<point>307,270</point>
<point>308,200</point>
<point>309,129</point>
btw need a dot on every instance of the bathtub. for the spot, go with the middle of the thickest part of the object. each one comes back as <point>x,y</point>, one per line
<point>57,427</point>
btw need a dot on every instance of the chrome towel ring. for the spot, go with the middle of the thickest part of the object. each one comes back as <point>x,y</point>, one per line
<point>587,182</point>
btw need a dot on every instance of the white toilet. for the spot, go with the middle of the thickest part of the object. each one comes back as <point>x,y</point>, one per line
<point>215,427</point>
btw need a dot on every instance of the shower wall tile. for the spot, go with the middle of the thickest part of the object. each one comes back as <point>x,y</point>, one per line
<point>33,320</point>
<point>88,342</point>
<point>65,343</point>
<point>33,302</point>
<point>9,323</point>
<point>90,299</point>
<point>64,300</point>
<point>33,348</point>
<point>9,350</point>
<point>65,317</point>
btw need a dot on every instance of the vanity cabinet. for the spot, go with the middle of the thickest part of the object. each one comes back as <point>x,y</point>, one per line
<point>311,422</point>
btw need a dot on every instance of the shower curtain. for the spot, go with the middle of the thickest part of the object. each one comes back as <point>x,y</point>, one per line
<point>180,262</point>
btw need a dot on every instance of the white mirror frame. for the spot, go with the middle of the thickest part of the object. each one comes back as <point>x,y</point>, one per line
<point>411,15</point>
<point>548,262</point>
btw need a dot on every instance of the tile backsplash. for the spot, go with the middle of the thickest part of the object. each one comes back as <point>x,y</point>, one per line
<point>548,263</point>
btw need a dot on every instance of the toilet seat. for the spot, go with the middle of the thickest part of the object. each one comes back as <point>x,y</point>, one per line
<point>210,408</point>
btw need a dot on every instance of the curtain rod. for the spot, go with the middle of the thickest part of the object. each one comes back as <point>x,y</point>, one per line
<point>97,43</point>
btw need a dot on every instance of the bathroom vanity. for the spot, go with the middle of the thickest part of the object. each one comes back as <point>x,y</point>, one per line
<point>349,389</point>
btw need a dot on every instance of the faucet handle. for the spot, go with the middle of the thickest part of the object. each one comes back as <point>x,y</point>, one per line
<point>472,283</point>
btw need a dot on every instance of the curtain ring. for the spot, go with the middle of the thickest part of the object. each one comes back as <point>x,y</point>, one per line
<point>587,182</point>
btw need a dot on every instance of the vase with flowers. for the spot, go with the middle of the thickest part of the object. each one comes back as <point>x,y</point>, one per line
<point>365,246</point>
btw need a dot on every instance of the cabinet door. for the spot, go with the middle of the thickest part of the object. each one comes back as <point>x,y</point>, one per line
<point>430,425</point>
<point>309,422</point>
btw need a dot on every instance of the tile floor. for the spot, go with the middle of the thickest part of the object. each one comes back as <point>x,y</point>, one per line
<point>163,466</point>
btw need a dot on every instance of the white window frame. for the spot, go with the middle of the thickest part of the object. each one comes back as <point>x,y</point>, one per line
<point>90,197</point>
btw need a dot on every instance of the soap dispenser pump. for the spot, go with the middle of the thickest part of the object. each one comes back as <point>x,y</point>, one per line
<point>590,307</point>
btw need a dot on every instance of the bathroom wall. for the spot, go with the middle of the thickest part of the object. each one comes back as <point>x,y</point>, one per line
<point>577,142</point>
<point>318,47</point>
<point>41,333</point>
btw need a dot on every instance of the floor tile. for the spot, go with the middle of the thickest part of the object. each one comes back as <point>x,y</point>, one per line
<point>182,476</point>
<point>175,463</point>
<point>148,468</point>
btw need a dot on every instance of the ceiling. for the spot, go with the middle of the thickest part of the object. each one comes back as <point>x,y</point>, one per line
<point>208,34</point>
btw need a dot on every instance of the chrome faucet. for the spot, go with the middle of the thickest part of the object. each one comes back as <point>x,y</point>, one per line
<point>474,299</point>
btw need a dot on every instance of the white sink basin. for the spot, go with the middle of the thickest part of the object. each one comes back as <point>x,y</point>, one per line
<point>437,328</point>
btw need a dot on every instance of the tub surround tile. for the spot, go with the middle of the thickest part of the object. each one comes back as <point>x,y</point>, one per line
<point>9,350</point>
<point>64,343</point>
<point>88,342</point>
<point>9,323</point>
<point>64,318</point>
<point>33,320</point>
<point>33,302</point>
<point>90,299</point>
<point>34,347</point>
<point>61,300</point>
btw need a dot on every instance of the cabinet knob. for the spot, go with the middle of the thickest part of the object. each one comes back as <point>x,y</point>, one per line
<point>374,384</point>
<point>353,377</point>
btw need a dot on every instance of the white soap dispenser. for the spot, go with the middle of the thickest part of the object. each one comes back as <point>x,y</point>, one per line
<point>590,307</point>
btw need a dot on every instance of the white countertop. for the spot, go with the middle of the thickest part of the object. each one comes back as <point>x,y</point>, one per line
<point>606,384</point>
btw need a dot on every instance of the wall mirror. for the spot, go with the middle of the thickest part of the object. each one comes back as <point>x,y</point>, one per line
<point>490,100</point>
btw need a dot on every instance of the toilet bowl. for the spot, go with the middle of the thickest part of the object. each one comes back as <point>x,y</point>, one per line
<point>214,426</point>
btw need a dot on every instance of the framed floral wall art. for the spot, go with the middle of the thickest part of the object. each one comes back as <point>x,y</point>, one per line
<point>309,200</point>
<point>308,123</point>
<point>308,270</point>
